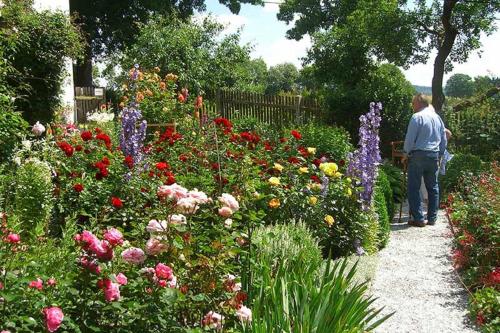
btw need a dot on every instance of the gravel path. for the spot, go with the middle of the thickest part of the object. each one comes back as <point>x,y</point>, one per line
<point>415,279</point>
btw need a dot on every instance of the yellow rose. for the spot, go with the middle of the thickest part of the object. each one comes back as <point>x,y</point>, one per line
<point>337,174</point>
<point>274,203</point>
<point>304,170</point>
<point>329,220</point>
<point>311,150</point>
<point>313,200</point>
<point>275,181</point>
<point>278,167</point>
<point>329,168</point>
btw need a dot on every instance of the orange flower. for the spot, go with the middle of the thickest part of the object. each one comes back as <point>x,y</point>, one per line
<point>274,203</point>
<point>163,85</point>
<point>139,97</point>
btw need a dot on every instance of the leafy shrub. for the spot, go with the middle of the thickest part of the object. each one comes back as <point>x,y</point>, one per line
<point>33,199</point>
<point>12,129</point>
<point>484,309</point>
<point>460,166</point>
<point>385,187</point>
<point>329,140</point>
<point>303,302</point>
<point>396,179</point>
<point>289,245</point>
<point>371,234</point>
<point>383,218</point>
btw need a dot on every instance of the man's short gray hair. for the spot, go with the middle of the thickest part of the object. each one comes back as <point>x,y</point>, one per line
<point>421,99</point>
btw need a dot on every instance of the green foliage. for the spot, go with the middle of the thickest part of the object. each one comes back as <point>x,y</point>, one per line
<point>302,302</point>
<point>386,188</point>
<point>282,78</point>
<point>459,85</point>
<point>371,234</point>
<point>461,165</point>
<point>396,179</point>
<point>195,51</point>
<point>12,129</point>
<point>33,199</point>
<point>42,43</point>
<point>252,76</point>
<point>476,129</point>
<point>286,245</point>
<point>331,141</point>
<point>384,222</point>
<point>484,309</point>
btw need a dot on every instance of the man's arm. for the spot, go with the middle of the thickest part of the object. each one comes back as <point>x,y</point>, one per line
<point>411,135</point>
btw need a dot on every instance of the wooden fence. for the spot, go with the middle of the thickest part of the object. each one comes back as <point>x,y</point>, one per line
<point>87,100</point>
<point>271,109</point>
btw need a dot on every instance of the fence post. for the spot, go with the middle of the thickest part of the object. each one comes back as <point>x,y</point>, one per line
<point>298,117</point>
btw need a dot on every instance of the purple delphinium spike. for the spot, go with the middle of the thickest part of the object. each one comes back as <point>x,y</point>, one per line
<point>131,137</point>
<point>363,163</point>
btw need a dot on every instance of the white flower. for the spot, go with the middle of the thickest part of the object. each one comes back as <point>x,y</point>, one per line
<point>26,144</point>
<point>101,117</point>
<point>156,226</point>
<point>177,219</point>
<point>38,129</point>
<point>244,314</point>
<point>228,223</point>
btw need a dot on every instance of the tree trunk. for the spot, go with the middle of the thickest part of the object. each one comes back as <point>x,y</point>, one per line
<point>446,42</point>
<point>82,70</point>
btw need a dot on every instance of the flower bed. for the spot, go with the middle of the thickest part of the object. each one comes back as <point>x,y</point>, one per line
<point>474,216</point>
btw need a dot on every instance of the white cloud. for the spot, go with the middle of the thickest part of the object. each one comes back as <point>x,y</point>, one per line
<point>283,50</point>
<point>231,22</point>
<point>271,7</point>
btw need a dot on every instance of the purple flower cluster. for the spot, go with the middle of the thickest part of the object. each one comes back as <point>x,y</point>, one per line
<point>131,137</point>
<point>363,163</point>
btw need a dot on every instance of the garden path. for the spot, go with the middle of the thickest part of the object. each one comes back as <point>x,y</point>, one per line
<point>415,279</point>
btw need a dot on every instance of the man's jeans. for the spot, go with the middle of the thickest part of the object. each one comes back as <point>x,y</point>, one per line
<point>426,164</point>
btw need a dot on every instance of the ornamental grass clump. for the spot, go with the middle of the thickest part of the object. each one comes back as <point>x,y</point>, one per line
<point>363,163</point>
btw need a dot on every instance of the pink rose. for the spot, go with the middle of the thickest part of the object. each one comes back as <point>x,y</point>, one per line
<point>36,284</point>
<point>163,271</point>
<point>198,196</point>
<point>90,265</point>
<point>51,282</point>
<point>102,250</point>
<point>87,238</point>
<point>38,129</point>
<point>213,320</point>
<point>134,255</point>
<point>187,205</point>
<point>229,201</point>
<point>114,237</point>
<point>154,246</point>
<point>173,191</point>
<point>173,282</point>
<point>177,219</point>
<point>121,279</point>
<point>111,291</point>
<point>156,226</point>
<point>162,283</point>
<point>13,238</point>
<point>225,211</point>
<point>53,318</point>
<point>244,314</point>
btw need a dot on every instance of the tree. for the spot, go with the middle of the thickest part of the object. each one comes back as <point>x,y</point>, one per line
<point>195,51</point>
<point>252,76</point>
<point>401,33</point>
<point>459,85</point>
<point>482,84</point>
<point>282,78</point>
<point>113,25</point>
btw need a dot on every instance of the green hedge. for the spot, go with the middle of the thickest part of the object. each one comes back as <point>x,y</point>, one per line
<point>385,186</point>
<point>380,206</point>
<point>328,140</point>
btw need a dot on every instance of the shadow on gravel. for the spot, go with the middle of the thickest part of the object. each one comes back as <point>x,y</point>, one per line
<point>399,226</point>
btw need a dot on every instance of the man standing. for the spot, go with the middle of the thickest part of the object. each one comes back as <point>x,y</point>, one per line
<point>424,146</point>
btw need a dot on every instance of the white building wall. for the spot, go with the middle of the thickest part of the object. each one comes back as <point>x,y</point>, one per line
<point>68,94</point>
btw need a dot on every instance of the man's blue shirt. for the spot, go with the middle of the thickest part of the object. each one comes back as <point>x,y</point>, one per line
<point>425,132</point>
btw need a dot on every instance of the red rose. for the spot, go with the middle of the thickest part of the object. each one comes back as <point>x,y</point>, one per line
<point>293,160</point>
<point>13,238</point>
<point>78,187</point>
<point>183,158</point>
<point>129,162</point>
<point>296,134</point>
<point>66,148</point>
<point>116,202</point>
<point>86,135</point>
<point>162,166</point>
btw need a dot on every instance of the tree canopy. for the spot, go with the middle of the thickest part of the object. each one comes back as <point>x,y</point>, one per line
<point>400,31</point>
<point>282,78</point>
<point>459,85</point>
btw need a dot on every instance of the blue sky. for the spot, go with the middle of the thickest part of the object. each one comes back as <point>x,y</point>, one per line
<point>263,30</point>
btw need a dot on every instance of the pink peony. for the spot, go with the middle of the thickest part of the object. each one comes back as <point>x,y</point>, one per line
<point>163,271</point>
<point>134,255</point>
<point>38,129</point>
<point>198,196</point>
<point>173,191</point>
<point>53,318</point>
<point>213,320</point>
<point>187,205</point>
<point>154,247</point>
<point>13,238</point>
<point>244,314</point>
<point>228,200</point>
<point>121,279</point>
<point>225,211</point>
<point>36,284</point>
<point>177,219</point>
<point>111,291</point>
<point>114,237</point>
<point>156,226</point>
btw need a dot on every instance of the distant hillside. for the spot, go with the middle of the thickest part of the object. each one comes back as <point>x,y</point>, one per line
<point>423,89</point>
